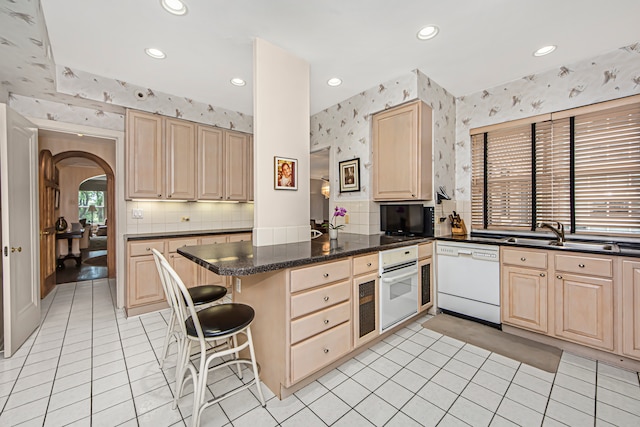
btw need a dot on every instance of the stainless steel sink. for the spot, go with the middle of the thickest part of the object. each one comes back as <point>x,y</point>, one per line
<point>527,241</point>
<point>589,246</point>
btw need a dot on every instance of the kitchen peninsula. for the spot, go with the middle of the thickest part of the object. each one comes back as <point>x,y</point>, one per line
<point>316,302</point>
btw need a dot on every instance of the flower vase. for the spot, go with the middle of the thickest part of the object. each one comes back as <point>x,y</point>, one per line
<point>333,233</point>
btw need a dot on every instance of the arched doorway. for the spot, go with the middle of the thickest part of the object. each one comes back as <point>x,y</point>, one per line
<point>110,210</point>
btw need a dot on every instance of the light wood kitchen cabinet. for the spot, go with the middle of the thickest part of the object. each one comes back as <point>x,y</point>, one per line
<point>210,161</point>
<point>239,237</point>
<point>631,308</point>
<point>425,276</point>
<point>187,270</point>
<point>525,289</point>
<point>366,299</point>
<point>145,156</point>
<point>208,277</point>
<point>180,153</point>
<point>402,145</point>
<point>584,301</point>
<point>237,166</point>
<point>143,273</point>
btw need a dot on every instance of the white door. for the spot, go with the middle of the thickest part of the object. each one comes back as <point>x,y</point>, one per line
<point>20,243</point>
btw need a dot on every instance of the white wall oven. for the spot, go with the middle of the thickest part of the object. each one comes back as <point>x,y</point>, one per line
<point>398,285</point>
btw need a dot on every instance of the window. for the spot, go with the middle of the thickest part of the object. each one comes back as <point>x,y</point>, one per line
<point>580,167</point>
<point>86,199</point>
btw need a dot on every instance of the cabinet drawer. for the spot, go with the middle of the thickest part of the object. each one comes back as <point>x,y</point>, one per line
<point>178,243</point>
<point>524,258</point>
<point>365,264</point>
<point>581,264</point>
<point>425,250</point>
<point>210,240</point>
<point>310,277</point>
<point>241,237</point>
<point>144,248</point>
<point>319,351</point>
<point>313,324</point>
<point>318,299</point>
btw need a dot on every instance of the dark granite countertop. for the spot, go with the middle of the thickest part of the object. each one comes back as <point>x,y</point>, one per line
<point>170,234</point>
<point>242,258</point>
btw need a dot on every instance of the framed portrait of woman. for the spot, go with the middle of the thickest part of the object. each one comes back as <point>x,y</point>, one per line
<point>349,171</point>
<point>285,173</point>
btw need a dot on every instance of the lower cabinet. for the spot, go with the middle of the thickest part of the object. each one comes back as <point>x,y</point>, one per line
<point>187,270</point>
<point>631,308</point>
<point>142,270</point>
<point>425,276</point>
<point>524,298</point>
<point>366,319</point>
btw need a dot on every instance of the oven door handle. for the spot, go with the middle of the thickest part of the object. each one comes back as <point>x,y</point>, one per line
<point>400,276</point>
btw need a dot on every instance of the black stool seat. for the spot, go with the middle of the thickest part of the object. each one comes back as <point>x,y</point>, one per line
<point>221,320</point>
<point>206,294</point>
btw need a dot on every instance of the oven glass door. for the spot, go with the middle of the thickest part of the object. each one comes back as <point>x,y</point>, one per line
<point>398,296</point>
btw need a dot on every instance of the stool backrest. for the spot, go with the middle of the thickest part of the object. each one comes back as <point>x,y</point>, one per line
<point>158,257</point>
<point>182,300</point>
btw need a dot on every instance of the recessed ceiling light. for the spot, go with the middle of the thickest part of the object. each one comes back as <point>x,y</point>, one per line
<point>155,53</point>
<point>175,7</point>
<point>544,50</point>
<point>334,81</point>
<point>237,81</point>
<point>428,32</point>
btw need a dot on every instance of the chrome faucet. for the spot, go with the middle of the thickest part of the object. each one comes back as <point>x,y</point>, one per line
<point>558,230</point>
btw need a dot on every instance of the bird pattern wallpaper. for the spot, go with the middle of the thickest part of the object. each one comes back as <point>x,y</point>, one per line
<point>609,76</point>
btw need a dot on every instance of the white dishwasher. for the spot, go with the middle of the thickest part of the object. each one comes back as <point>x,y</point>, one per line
<point>469,280</point>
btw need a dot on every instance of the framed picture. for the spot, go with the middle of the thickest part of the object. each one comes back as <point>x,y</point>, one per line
<point>285,173</point>
<point>349,175</point>
<point>56,199</point>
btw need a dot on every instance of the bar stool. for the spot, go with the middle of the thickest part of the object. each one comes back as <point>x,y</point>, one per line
<point>200,295</point>
<point>222,322</point>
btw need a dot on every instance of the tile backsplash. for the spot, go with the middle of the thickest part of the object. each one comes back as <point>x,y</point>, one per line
<point>160,217</point>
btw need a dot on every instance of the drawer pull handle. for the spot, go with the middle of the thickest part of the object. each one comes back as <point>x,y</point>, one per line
<point>542,274</point>
<point>326,275</point>
<point>326,321</point>
<point>148,249</point>
<point>523,259</point>
<point>326,350</point>
<point>581,265</point>
<point>368,264</point>
<point>326,299</point>
<point>559,276</point>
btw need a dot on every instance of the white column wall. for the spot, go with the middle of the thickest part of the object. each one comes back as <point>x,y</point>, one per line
<point>281,128</point>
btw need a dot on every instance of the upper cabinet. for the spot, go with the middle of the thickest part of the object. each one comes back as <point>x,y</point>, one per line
<point>176,159</point>
<point>402,141</point>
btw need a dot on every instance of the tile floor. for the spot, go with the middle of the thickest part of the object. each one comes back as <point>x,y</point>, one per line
<point>89,365</point>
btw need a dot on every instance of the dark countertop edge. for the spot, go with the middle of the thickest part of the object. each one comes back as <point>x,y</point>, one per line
<point>246,271</point>
<point>170,234</point>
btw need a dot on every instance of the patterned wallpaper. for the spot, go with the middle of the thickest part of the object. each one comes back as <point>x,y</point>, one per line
<point>612,75</point>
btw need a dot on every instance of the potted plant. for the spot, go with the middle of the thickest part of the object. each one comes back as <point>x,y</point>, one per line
<point>333,228</point>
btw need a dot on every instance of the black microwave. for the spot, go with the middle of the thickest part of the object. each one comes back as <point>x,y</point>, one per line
<point>407,220</point>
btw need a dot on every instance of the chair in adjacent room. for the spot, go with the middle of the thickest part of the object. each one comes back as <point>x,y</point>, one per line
<point>209,326</point>
<point>200,295</point>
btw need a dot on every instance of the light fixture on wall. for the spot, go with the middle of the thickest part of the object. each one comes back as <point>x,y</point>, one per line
<point>325,189</point>
<point>93,210</point>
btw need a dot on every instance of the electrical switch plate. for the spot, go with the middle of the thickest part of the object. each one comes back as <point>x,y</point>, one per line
<point>136,213</point>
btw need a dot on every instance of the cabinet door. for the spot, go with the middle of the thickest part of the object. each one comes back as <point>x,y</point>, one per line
<point>631,308</point>
<point>187,270</point>
<point>143,285</point>
<point>210,163</point>
<point>402,153</point>
<point>236,166</point>
<point>584,310</point>
<point>524,298</point>
<point>180,142</point>
<point>208,277</point>
<point>144,155</point>
<point>366,318</point>
<point>425,283</point>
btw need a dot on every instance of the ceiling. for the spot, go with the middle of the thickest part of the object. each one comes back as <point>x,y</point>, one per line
<point>364,42</point>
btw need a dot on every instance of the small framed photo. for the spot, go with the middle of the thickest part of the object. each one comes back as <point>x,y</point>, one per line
<point>56,199</point>
<point>349,175</point>
<point>285,173</point>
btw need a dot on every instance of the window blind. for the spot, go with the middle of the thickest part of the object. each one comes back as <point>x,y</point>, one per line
<point>607,170</point>
<point>477,181</point>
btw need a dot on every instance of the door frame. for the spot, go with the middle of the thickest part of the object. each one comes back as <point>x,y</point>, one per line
<point>119,174</point>
<point>111,198</point>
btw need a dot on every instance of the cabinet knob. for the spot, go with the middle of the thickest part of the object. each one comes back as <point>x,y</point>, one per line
<point>326,275</point>
<point>542,274</point>
<point>326,350</point>
<point>169,196</point>
<point>581,265</point>
<point>326,299</point>
<point>413,195</point>
<point>148,249</point>
<point>523,259</point>
<point>368,264</point>
<point>159,195</point>
<point>326,321</point>
<point>558,277</point>
<point>221,197</point>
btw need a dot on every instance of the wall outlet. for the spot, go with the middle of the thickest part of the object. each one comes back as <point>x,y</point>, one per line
<point>185,219</point>
<point>238,283</point>
<point>137,214</point>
